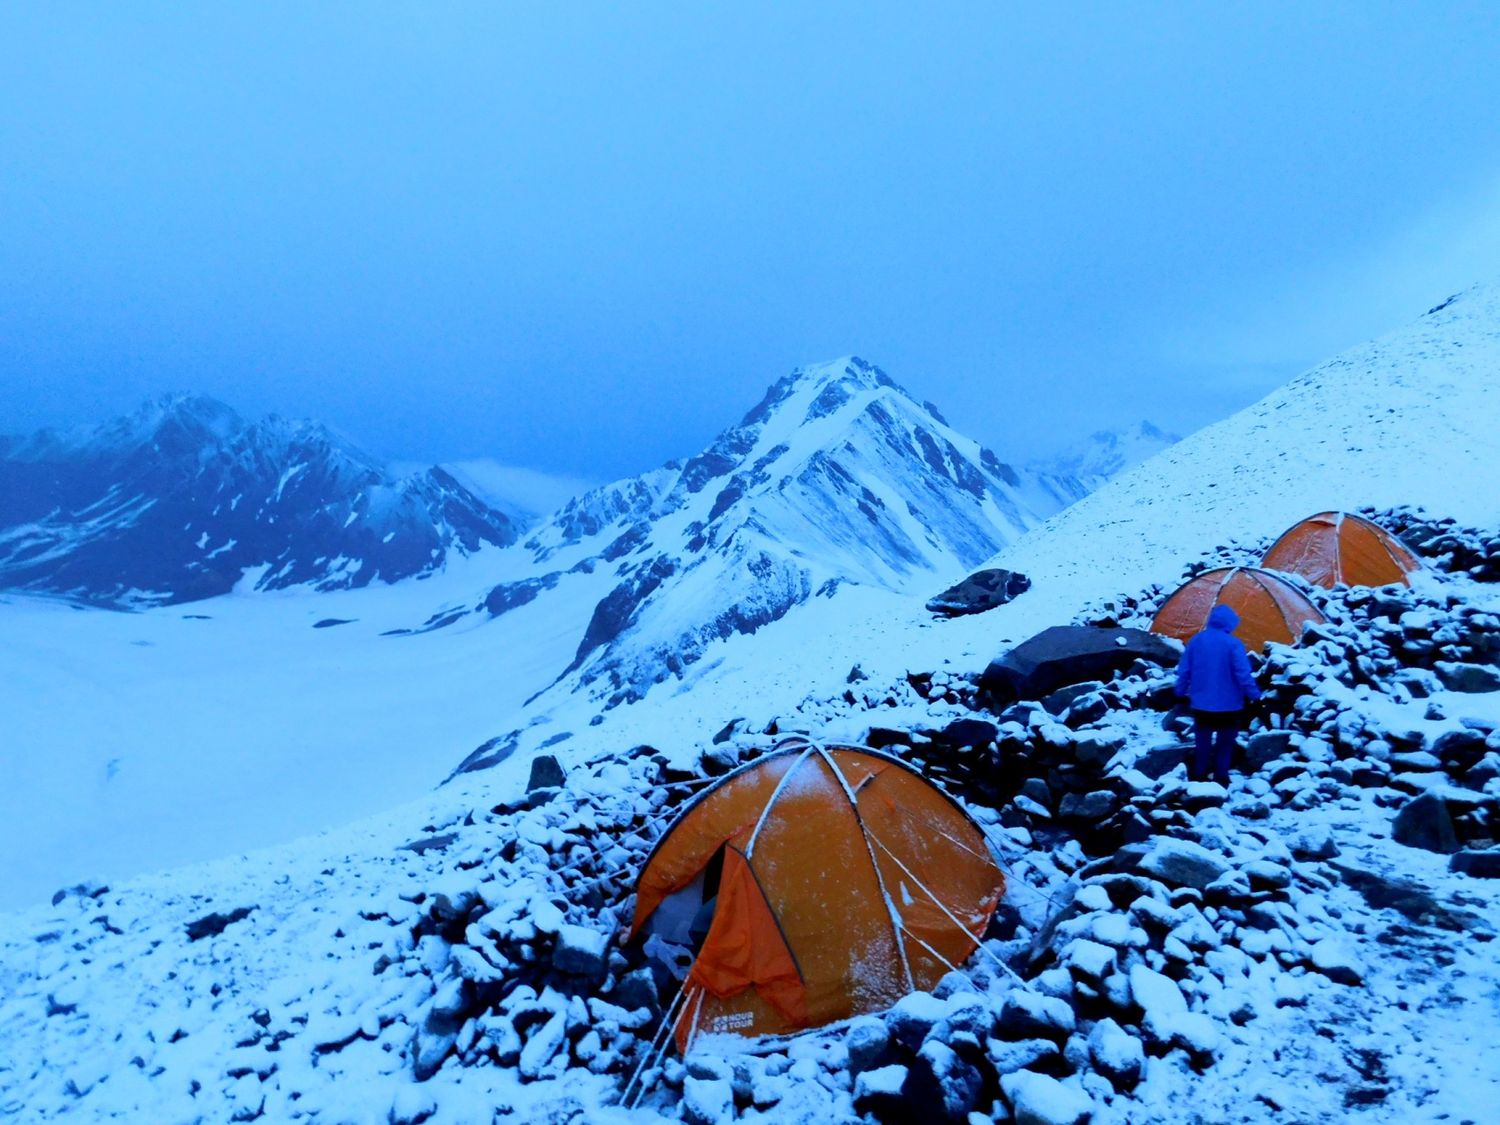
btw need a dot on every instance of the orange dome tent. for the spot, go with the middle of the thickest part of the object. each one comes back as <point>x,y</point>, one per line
<point>1270,608</point>
<point>845,880</point>
<point>1337,548</point>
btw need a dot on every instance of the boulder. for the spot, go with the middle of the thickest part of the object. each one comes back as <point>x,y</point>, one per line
<point>1117,1054</point>
<point>707,1101</point>
<point>942,1086</point>
<point>1337,960</point>
<point>1266,746</point>
<point>546,773</point>
<point>1037,1099</point>
<point>1472,678</point>
<point>868,1041</point>
<point>1060,700</point>
<point>1480,864</point>
<point>969,732</point>
<point>1030,1015</point>
<point>1425,822</point>
<point>1090,807</point>
<point>1070,654</point>
<point>212,925</point>
<point>878,1092</point>
<point>579,952</point>
<point>1182,863</point>
<point>982,590</point>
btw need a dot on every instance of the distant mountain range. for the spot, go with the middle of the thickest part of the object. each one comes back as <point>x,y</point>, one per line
<point>184,499</point>
<point>837,477</point>
<point>1106,454</point>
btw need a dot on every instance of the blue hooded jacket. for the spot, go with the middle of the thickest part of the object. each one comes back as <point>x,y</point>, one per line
<point>1214,673</point>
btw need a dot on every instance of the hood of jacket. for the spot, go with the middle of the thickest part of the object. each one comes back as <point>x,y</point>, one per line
<point>1222,617</point>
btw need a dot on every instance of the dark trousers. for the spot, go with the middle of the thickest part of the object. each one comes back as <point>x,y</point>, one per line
<point>1212,738</point>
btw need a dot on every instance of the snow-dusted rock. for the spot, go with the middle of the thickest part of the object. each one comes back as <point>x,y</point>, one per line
<point>1337,960</point>
<point>1116,1054</point>
<point>707,1101</point>
<point>580,951</point>
<point>1030,1015</point>
<point>1037,1099</point>
<point>1182,863</point>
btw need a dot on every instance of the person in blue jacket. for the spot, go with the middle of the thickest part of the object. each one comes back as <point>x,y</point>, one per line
<point>1214,677</point>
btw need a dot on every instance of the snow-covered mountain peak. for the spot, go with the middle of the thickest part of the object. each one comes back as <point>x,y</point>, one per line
<point>836,476</point>
<point>180,498</point>
<point>1106,454</point>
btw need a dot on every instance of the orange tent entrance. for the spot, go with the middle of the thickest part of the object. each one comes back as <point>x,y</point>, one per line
<point>1337,548</point>
<point>1269,607</point>
<point>845,880</point>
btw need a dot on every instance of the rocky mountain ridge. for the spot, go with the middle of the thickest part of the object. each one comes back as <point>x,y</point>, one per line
<point>184,499</point>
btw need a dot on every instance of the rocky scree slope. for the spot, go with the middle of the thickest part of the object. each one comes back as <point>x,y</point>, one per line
<point>1166,951</point>
<point>837,476</point>
<point>184,498</point>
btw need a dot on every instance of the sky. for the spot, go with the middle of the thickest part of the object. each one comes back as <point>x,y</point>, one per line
<point>581,239</point>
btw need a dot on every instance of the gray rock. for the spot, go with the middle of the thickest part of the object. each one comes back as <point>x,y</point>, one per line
<point>969,732</point>
<point>942,1086</point>
<point>580,952</point>
<point>1266,746</point>
<point>1425,823</point>
<point>1480,864</point>
<point>1474,678</point>
<point>913,1016</point>
<point>1037,1099</point>
<point>1070,654</point>
<point>1030,1015</point>
<point>1088,806</point>
<point>716,761</point>
<point>87,889</point>
<point>1116,1054</point>
<point>1061,699</point>
<point>636,990</point>
<point>546,773</point>
<point>879,1092</point>
<point>1181,863</point>
<point>707,1101</point>
<point>981,591</point>
<point>867,1040</point>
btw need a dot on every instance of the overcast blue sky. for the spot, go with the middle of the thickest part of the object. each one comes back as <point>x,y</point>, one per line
<point>584,237</point>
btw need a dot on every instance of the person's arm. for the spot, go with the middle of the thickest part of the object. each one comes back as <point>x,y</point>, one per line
<point>1184,673</point>
<point>1243,675</point>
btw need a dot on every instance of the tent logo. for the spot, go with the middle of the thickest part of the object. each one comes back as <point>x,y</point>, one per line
<point>733,1021</point>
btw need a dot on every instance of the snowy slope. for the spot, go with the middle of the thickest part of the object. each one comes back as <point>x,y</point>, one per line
<point>1410,418</point>
<point>181,499</point>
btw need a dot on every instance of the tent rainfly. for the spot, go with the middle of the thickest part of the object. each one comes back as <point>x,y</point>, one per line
<point>1338,548</point>
<point>838,878</point>
<point>1269,607</point>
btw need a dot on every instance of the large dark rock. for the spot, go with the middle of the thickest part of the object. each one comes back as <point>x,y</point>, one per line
<point>1070,654</point>
<point>546,773</point>
<point>1480,864</point>
<point>212,925</point>
<point>982,590</point>
<point>969,732</point>
<point>1426,823</point>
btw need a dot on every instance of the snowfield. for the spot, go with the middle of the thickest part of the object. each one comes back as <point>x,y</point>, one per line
<point>1167,952</point>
